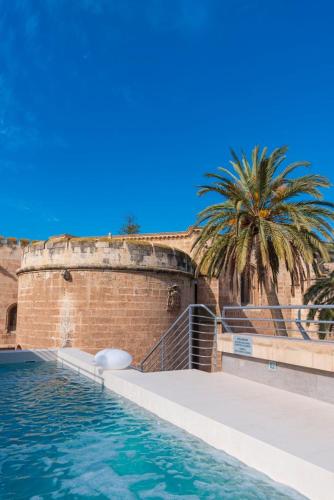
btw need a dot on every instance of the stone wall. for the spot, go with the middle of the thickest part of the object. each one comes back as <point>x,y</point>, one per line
<point>115,294</point>
<point>10,260</point>
<point>218,293</point>
<point>208,290</point>
<point>182,240</point>
<point>76,253</point>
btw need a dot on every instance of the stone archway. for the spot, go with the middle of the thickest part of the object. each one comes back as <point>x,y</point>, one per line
<point>11,318</point>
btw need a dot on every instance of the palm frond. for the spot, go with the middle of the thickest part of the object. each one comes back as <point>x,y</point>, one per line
<point>267,219</point>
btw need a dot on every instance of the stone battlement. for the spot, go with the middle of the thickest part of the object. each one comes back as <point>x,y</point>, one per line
<point>13,242</point>
<point>103,253</point>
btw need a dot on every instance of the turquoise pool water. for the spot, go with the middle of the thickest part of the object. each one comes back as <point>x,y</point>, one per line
<point>62,436</point>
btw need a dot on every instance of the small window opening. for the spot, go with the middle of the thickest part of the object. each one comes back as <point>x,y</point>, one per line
<point>246,292</point>
<point>11,318</point>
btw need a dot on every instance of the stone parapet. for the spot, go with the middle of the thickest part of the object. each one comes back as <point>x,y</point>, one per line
<point>104,253</point>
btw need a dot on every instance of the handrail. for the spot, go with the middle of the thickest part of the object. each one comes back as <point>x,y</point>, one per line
<point>203,306</point>
<point>164,335</point>
<point>177,346</point>
<point>173,324</point>
<point>191,338</point>
<point>303,325</point>
<point>295,307</point>
<point>278,320</point>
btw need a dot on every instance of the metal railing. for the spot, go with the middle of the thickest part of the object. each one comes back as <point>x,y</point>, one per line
<point>281,321</point>
<point>190,342</point>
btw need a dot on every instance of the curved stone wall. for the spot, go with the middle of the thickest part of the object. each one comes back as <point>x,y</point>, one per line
<point>10,261</point>
<point>93,293</point>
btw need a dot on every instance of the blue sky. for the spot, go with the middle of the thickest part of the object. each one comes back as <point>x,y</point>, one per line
<point>116,107</point>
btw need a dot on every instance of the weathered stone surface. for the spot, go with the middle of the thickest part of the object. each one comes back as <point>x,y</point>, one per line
<point>123,254</point>
<point>10,259</point>
<point>164,256</point>
<point>116,299</point>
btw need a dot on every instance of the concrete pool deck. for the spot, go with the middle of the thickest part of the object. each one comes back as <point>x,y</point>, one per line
<point>284,435</point>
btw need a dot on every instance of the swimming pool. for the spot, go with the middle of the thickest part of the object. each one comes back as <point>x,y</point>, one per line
<point>62,436</point>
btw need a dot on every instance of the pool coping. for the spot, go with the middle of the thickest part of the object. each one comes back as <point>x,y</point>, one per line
<point>157,394</point>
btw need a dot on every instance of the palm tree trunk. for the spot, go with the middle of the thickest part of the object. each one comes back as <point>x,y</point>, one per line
<point>277,314</point>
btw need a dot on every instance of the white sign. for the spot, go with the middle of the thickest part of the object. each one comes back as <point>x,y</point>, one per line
<point>272,365</point>
<point>242,344</point>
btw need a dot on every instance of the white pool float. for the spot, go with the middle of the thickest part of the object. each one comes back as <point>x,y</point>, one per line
<point>113,359</point>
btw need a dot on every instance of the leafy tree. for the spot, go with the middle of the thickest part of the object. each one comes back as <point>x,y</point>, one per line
<point>322,293</point>
<point>130,226</point>
<point>265,219</point>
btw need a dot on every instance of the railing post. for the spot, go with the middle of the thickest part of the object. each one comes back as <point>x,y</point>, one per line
<point>162,354</point>
<point>226,326</point>
<point>190,335</point>
<point>300,327</point>
<point>215,340</point>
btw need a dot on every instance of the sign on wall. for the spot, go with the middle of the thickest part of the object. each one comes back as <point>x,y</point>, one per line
<point>272,365</point>
<point>242,344</point>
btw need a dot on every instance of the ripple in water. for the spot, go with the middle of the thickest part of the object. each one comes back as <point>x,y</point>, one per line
<point>62,436</point>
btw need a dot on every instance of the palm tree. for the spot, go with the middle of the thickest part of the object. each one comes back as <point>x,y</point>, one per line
<point>322,293</point>
<point>265,219</point>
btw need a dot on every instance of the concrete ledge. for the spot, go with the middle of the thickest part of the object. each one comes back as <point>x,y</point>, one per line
<point>286,436</point>
<point>305,381</point>
<point>25,356</point>
<point>82,363</point>
<point>103,268</point>
<point>291,351</point>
